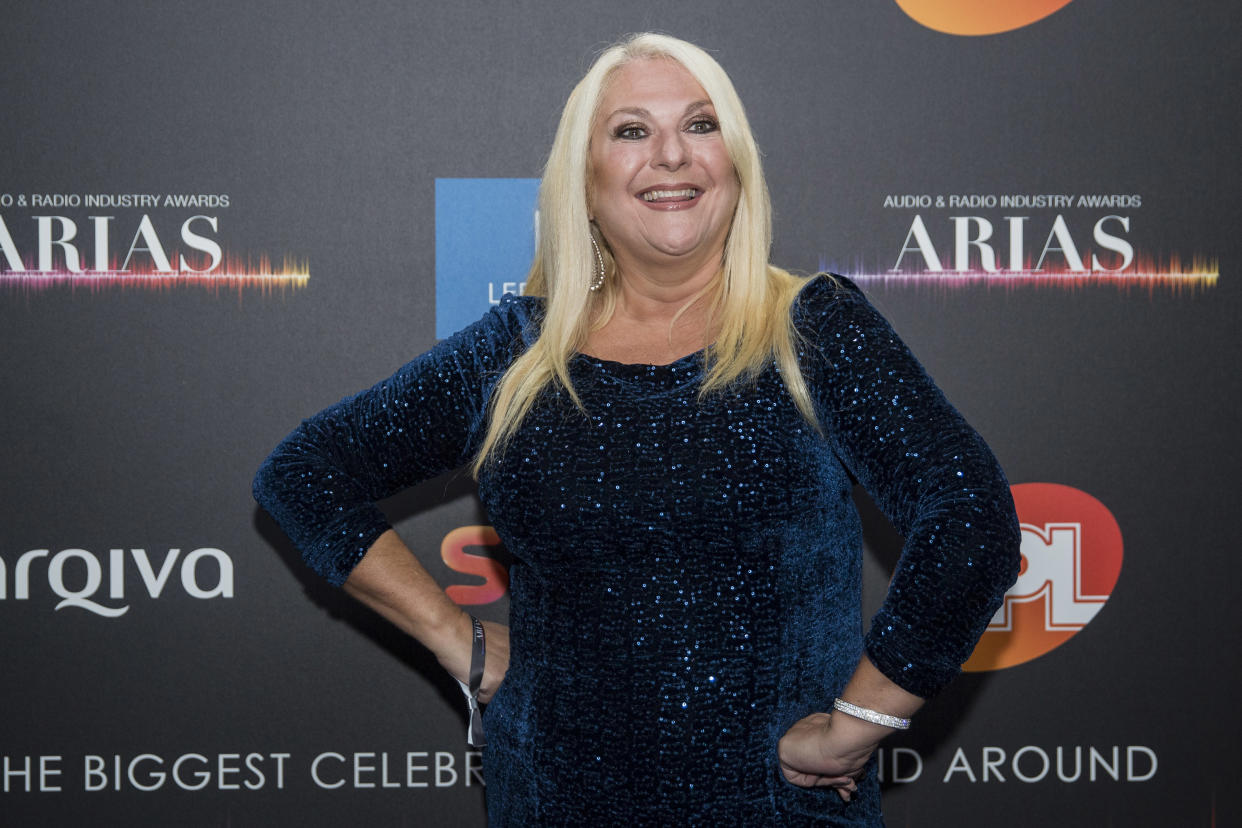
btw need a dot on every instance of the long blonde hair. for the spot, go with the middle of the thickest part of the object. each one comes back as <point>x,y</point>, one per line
<point>750,306</point>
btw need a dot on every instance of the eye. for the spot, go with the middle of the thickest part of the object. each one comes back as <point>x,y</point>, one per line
<point>703,125</point>
<point>630,132</point>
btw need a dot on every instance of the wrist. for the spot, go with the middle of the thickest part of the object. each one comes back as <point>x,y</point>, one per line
<point>868,714</point>
<point>864,735</point>
<point>447,631</point>
<point>842,742</point>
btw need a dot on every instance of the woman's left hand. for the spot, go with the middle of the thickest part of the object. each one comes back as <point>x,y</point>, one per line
<point>828,750</point>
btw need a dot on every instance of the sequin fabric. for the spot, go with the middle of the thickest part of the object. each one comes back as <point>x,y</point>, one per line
<point>686,575</point>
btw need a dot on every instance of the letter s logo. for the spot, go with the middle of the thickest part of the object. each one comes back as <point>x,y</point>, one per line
<point>979,17</point>
<point>495,576</point>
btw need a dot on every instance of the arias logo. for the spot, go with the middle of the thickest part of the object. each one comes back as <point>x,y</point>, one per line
<point>1071,557</point>
<point>1015,239</point>
<point>979,17</point>
<point>130,241</point>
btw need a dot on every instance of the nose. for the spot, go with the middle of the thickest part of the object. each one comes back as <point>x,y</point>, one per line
<point>671,151</point>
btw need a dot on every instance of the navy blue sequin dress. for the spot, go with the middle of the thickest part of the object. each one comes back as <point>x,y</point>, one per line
<point>686,573</point>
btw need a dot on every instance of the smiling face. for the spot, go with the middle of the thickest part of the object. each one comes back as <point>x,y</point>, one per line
<point>663,188</point>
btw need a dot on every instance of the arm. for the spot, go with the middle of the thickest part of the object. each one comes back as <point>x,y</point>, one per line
<point>322,481</point>
<point>391,581</point>
<point>940,485</point>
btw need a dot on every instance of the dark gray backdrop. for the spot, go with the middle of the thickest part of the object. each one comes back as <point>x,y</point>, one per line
<point>133,418</point>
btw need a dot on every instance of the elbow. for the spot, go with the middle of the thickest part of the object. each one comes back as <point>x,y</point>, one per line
<point>1003,559</point>
<point>270,486</point>
<point>1014,549</point>
<point>1000,541</point>
<point>267,477</point>
<point>261,486</point>
<point>1008,541</point>
<point>275,486</point>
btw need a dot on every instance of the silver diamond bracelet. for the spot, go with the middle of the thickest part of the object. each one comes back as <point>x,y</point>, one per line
<point>869,715</point>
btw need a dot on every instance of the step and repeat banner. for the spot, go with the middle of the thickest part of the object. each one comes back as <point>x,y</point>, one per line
<point>216,219</point>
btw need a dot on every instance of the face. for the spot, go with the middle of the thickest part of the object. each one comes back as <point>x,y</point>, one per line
<point>663,189</point>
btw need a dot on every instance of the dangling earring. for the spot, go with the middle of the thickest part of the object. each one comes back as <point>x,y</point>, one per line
<point>598,281</point>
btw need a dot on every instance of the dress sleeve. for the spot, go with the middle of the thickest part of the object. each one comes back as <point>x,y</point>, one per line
<point>321,483</point>
<point>932,476</point>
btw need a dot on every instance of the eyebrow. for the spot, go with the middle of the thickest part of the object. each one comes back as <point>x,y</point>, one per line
<point>641,112</point>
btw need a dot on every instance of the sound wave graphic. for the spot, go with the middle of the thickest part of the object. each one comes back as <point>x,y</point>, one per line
<point>1144,274</point>
<point>235,273</point>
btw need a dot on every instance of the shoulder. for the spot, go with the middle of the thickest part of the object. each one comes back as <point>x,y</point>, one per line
<point>828,302</point>
<point>839,328</point>
<point>513,320</point>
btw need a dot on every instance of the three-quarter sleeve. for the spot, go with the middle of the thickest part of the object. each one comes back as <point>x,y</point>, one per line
<point>932,476</point>
<point>323,480</point>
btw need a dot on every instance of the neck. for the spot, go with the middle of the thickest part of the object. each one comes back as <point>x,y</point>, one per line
<point>659,315</point>
<point>651,296</point>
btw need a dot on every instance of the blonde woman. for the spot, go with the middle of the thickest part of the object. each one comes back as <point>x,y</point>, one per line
<point>666,431</point>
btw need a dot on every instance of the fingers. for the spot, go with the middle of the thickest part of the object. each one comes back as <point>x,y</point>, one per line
<point>847,789</point>
<point>809,780</point>
<point>845,786</point>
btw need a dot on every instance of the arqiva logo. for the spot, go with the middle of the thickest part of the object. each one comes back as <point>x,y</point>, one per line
<point>1071,558</point>
<point>979,17</point>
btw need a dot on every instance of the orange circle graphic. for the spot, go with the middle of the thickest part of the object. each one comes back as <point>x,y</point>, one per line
<point>979,17</point>
<point>1071,559</point>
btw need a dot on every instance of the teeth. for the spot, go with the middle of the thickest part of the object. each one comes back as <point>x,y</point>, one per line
<point>656,195</point>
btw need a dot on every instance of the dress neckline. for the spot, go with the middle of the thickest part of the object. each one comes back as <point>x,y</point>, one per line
<point>694,356</point>
<point>678,372</point>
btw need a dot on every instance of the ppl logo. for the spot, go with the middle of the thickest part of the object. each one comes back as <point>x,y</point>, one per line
<point>979,17</point>
<point>1071,558</point>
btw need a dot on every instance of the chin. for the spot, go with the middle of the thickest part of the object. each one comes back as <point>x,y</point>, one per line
<point>677,251</point>
<point>678,244</point>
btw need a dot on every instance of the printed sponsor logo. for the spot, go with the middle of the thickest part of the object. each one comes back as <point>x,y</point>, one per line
<point>979,17</point>
<point>254,771</point>
<point>76,576</point>
<point>1063,240</point>
<point>454,551</point>
<point>1029,764</point>
<point>444,769</point>
<point>130,240</point>
<point>1071,559</point>
<point>485,241</point>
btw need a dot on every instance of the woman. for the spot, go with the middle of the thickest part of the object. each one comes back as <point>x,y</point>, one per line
<point>665,433</point>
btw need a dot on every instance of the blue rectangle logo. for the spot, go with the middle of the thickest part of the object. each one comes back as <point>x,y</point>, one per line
<point>485,241</point>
